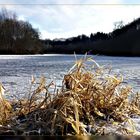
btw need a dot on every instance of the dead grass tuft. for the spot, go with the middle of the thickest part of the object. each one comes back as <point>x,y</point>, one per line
<point>89,102</point>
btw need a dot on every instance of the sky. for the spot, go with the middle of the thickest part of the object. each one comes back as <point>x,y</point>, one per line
<point>68,18</point>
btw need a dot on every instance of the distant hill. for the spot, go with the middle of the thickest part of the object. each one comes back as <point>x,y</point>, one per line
<point>124,41</point>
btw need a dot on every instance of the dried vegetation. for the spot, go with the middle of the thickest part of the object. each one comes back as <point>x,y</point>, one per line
<point>89,102</point>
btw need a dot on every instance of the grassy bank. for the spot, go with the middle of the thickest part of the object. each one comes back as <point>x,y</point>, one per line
<point>89,102</point>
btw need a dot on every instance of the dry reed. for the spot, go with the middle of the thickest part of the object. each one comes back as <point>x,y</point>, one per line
<point>89,102</point>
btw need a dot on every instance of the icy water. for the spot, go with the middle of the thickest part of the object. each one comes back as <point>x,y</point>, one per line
<point>16,71</point>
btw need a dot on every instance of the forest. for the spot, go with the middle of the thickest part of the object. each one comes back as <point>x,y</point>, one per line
<point>19,37</point>
<point>122,41</point>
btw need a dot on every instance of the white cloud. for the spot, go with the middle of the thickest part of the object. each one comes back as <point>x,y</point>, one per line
<point>89,19</point>
<point>22,17</point>
<point>67,20</point>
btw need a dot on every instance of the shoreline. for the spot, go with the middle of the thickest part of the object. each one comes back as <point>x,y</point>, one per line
<point>58,54</point>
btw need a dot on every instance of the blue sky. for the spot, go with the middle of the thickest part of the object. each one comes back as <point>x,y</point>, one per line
<point>62,21</point>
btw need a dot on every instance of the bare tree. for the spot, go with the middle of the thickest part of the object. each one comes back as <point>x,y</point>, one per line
<point>118,25</point>
<point>17,36</point>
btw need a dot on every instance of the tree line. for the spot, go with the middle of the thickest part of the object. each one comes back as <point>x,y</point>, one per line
<point>123,40</point>
<point>17,36</point>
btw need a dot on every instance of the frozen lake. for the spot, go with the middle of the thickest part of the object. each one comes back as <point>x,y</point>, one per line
<point>16,70</point>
